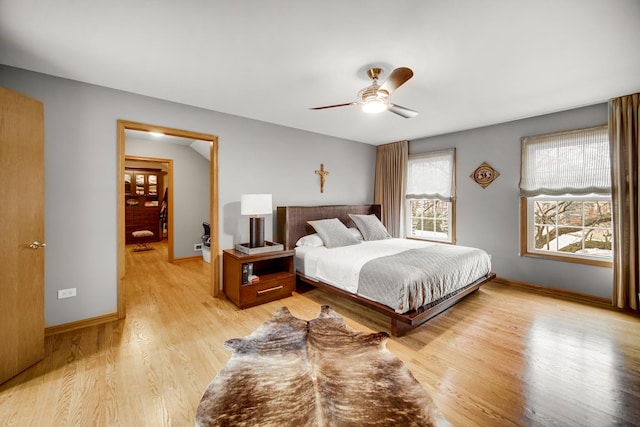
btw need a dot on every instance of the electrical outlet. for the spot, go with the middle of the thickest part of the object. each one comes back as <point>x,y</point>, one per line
<point>66,293</point>
<point>197,247</point>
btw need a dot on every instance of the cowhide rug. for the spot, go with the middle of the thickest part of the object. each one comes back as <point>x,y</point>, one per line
<point>291,372</point>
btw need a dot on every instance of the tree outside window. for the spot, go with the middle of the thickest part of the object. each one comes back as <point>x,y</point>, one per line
<point>581,227</point>
<point>430,219</point>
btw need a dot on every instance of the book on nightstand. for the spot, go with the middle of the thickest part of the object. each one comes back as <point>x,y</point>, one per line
<point>247,272</point>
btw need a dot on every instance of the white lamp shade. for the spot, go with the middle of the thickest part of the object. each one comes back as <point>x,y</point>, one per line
<point>256,204</point>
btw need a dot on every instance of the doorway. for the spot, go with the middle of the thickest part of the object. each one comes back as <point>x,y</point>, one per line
<point>161,205</point>
<point>123,126</point>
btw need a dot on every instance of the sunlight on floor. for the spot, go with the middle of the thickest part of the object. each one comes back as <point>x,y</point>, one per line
<point>569,359</point>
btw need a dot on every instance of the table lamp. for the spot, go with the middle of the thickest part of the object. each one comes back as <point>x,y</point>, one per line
<point>256,205</point>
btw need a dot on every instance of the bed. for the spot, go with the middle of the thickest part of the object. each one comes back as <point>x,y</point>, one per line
<point>314,266</point>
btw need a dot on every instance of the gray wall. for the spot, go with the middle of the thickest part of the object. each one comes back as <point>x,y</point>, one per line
<point>257,157</point>
<point>190,190</point>
<point>489,218</point>
<point>81,178</point>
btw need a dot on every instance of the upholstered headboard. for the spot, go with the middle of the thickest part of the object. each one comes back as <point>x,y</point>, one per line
<point>292,220</point>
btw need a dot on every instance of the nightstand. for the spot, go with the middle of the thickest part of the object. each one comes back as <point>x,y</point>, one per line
<point>275,270</point>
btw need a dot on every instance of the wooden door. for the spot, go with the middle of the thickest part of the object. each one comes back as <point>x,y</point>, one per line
<point>21,233</point>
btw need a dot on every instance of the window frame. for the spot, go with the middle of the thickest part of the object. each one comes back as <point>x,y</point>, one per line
<point>451,208</point>
<point>588,180</point>
<point>527,218</point>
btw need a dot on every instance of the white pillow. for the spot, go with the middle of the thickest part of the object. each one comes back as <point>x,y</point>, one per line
<point>334,233</point>
<point>356,233</point>
<point>311,240</point>
<point>370,227</point>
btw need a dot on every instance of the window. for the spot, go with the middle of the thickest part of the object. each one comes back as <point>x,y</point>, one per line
<point>430,196</point>
<point>565,189</point>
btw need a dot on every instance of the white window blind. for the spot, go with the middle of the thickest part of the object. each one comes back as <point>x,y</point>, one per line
<point>574,162</point>
<point>430,175</point>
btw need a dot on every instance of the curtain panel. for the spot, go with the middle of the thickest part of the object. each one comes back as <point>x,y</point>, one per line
<point>390,181</point>
<point>624,133</point>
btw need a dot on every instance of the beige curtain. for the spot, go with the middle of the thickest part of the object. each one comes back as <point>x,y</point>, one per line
<point>624,132</point>
<point>391,176</point>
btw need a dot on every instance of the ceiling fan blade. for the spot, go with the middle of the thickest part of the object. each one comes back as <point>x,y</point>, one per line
<point>397,78</point>
<point>405,112</point>
<point>332,106</point>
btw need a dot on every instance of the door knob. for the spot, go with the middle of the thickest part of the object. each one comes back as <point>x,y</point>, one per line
<point>37,245</point>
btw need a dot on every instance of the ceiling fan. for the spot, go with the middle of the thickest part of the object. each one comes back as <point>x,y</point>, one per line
<point>375,98</point>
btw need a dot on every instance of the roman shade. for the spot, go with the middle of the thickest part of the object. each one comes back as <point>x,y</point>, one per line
<point>573,162</point>
<point>430,175</point>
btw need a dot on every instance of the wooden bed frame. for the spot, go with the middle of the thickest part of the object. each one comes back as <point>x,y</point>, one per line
<point>292,224</point>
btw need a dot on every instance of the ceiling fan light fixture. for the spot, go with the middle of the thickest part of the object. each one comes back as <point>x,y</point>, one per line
<point>375,97</point>
<point>374,106</point>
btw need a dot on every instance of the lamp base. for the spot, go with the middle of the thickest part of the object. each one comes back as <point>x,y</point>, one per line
<point>256,232</point>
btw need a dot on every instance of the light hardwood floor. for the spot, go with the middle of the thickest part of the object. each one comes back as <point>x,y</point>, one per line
<point>501,357</point>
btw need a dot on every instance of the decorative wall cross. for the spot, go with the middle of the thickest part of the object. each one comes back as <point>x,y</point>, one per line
<point>323,173</point>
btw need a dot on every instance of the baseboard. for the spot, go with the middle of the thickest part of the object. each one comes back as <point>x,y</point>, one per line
<point>72,326</point>
<point>189,258</point>
<point>558,293</point>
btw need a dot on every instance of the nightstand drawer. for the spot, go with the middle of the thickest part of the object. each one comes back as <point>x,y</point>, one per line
<point>268,290</point>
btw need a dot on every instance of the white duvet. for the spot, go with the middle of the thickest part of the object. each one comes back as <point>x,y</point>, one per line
<point>340,267</point>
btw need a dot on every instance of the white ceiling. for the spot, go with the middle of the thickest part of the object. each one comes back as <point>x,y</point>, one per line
<point>475,62</point>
